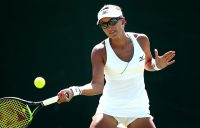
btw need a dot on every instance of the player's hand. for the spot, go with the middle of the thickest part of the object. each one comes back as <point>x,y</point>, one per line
<point>64,95</point>
<point>164,60</point>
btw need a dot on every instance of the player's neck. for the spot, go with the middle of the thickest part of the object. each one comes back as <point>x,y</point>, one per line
<point>120,41</point>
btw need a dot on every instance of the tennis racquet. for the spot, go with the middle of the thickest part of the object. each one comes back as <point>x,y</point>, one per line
<point>16,112</point>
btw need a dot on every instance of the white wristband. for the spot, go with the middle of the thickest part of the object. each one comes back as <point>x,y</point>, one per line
<point>154,65</point>
<point>76,90</point>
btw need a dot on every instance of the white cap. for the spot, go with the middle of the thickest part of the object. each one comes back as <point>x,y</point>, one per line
<point>109,11</point>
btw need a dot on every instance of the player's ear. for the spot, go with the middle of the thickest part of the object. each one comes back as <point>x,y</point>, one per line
<point>123,21</point>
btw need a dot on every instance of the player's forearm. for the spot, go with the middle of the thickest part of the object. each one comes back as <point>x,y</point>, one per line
<point>91,89</point>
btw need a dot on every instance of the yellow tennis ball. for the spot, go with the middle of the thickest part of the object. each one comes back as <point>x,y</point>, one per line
<point>39,82</point>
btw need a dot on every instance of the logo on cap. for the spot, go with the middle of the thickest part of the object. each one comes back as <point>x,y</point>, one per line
<point>104,12</point>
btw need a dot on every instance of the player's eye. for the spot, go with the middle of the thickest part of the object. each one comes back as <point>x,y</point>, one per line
<point>112,22</point>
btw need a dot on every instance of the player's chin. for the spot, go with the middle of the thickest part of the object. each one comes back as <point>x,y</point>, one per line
<point>113,35</point>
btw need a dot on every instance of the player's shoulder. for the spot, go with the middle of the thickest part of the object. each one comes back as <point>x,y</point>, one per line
<point>99,52</point>
<point>99,47</point>
<point>139,35</point>
<point>142,39</point>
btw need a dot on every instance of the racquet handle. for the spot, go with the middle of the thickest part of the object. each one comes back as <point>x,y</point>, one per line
<point>52,100</point>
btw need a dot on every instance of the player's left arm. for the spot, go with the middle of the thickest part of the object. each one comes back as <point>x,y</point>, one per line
<point>158,62</point>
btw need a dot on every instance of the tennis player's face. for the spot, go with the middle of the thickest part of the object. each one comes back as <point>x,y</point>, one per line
<point>111,26</point>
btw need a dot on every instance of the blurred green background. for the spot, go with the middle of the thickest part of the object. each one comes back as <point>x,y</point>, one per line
<point>54,39</point>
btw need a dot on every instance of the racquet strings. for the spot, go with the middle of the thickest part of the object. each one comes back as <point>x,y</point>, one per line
<point>14,114</point>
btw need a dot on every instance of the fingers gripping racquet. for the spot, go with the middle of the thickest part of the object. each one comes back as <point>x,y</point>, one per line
<point>16,112</point>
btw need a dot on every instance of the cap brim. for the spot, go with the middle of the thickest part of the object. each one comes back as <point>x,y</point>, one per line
<point>109,13</point>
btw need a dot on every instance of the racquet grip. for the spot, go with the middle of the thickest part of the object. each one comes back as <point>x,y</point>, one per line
<point>52,100</point>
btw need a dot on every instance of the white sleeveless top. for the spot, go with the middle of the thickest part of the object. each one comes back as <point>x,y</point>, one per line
<point>124,93</point>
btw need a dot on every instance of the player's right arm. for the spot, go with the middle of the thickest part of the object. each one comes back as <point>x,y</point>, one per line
<point>95,87</point>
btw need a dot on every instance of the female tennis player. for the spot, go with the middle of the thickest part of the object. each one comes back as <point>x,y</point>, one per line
<point>120,59</point>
